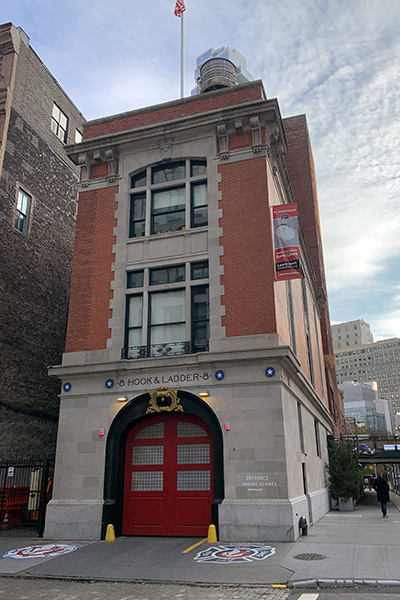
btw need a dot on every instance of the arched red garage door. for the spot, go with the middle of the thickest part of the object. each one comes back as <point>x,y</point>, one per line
<point>168,484</point>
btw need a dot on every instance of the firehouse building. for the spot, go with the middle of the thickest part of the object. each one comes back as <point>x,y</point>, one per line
<point>194,389</point>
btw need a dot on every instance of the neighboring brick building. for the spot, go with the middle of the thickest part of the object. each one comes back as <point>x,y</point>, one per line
<point>37,209</point>
<point>173,291</point>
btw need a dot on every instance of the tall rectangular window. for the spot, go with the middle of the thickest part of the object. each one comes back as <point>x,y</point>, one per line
<point>199,205</point>
<point>168,210</point>
<point>300,419</point>
<point>138,216</point>
<point>59,123</point>
<point>307,331</point>
<point>292,324</point>
<point>22,214</point>
<point>317,442</point>
<point>200,313</point>
<point>304,473</point>
<point>134,324</point>
<point>167,317</point>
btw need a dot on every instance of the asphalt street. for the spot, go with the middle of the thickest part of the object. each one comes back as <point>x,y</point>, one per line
<point>45,589</point>
<point>359,550</point>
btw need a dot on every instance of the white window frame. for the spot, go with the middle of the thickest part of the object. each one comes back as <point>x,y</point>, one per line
<point>143,321</point>
<point>190,206</point>
<point>24,203</point>
<point>59,123</point>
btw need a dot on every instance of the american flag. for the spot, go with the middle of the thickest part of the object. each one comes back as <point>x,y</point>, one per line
<point>179,8</point>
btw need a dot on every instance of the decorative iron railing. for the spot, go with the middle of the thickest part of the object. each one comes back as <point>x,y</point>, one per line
<point>164,349</point>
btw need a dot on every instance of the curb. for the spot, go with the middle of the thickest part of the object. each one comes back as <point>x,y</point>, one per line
<point>199,584</point>
<point>301,583</point>
<point>328,583</point>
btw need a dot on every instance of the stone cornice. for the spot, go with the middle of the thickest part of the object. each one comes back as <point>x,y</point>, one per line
<point>266,110</point>
<point>280,354</point>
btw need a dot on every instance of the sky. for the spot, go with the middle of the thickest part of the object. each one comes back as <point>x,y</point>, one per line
<point>337,61</point>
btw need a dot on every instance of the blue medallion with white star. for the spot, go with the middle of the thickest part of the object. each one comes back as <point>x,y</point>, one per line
<point>219,375</point>
<point>67,387</point>
<point>270,372</point>
<point>109,383</point>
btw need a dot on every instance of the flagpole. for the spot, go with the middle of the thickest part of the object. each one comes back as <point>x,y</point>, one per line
<point>182,54</point>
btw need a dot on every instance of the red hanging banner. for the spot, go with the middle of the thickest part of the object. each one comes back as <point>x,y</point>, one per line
<point>286,241</point>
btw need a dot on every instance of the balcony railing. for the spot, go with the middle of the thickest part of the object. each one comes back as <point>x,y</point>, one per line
<point>164,349</point>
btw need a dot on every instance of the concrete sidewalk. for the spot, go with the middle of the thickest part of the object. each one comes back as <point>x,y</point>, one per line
<point>341,549</point>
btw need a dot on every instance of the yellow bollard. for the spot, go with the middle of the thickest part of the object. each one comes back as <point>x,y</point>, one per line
<point>212,534</point>
<point>110,533</point>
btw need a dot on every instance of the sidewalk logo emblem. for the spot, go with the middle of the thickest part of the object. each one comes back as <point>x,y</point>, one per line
<point>236,553</point>
<point>41,551</point>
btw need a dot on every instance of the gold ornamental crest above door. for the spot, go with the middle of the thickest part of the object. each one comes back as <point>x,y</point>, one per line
<point>164,400</point>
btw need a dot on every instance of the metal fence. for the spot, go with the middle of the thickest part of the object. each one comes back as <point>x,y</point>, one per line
<point>25,489</point>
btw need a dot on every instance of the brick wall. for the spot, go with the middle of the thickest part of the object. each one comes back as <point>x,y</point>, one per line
<point>300,165</point>
<point>174,110</point>
<point>98,170</point>
<point>248,254</point>
<point>91,276</point>
<point>34,288</point>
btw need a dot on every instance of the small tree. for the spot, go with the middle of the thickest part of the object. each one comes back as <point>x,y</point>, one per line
<point>345,478</point>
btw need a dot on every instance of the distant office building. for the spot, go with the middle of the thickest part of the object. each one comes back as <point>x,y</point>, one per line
<point>352,333</point>
<point>384,407</point>
<point>378,362</point>
<point>37,216</point>
<point>360,403</point>
<point>242,74</point>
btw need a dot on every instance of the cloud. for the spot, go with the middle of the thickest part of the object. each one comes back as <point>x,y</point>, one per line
<point>336,61</point>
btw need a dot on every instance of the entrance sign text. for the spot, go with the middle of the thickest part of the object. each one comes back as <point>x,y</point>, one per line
<point>258,481</point>
<point>144,381</point>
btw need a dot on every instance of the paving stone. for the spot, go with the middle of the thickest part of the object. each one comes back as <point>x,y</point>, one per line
<point>48,589</point>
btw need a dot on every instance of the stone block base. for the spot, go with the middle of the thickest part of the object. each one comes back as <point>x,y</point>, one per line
<point>73,520</point>
<point>268,520</point>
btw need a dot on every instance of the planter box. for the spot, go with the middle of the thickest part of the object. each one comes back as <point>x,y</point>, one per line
<point>346,505</point>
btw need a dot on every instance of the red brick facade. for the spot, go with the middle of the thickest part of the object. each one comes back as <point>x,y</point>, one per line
<point>174,110</point>
<point>248,252</point>
<point>300,165</point>
<point>91,276</point>
<point>98,170</point>
<point>255,304</point>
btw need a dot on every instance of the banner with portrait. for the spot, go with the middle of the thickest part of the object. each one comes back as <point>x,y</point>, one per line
<point>286,242</point>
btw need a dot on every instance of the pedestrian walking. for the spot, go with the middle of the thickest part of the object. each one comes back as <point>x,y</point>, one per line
<point>381,487</point>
